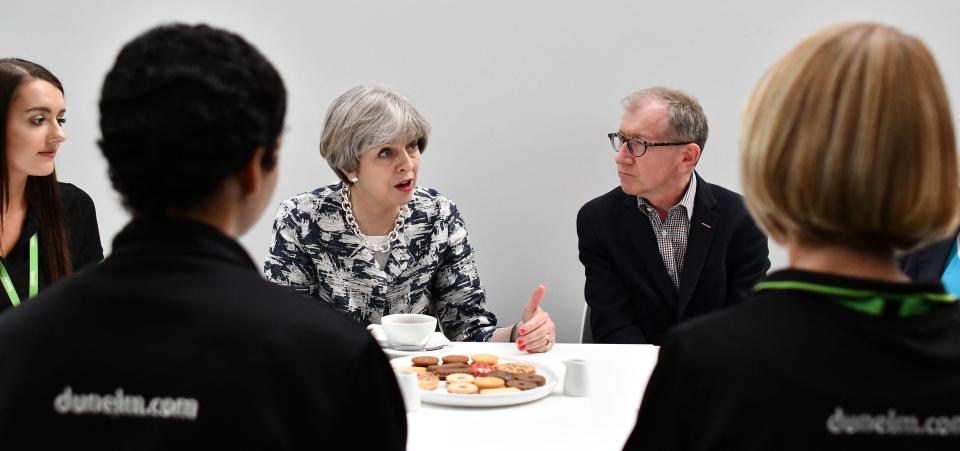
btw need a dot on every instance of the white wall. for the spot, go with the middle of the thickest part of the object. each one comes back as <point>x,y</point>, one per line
<point>520,96</point>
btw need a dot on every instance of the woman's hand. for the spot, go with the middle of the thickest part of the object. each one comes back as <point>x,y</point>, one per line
<point>537,332</point>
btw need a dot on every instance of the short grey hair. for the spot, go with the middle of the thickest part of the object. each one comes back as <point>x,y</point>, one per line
<point>365,117</point>
<point>687,121</point>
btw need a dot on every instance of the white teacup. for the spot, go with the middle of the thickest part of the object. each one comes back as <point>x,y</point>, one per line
<point>408,330</point>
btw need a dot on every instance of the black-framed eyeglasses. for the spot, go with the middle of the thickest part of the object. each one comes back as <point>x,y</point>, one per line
<point>636,146</point>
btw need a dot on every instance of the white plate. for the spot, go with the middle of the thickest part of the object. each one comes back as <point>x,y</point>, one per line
<point>440,395</point>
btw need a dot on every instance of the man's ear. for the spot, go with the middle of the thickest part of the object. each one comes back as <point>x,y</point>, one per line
<point>250,175</point>
<point>691,154</point>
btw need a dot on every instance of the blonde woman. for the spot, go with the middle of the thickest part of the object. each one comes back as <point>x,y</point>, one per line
<point>847,147</point>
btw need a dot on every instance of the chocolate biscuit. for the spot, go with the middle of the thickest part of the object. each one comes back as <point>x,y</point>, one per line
<point>522,385</point>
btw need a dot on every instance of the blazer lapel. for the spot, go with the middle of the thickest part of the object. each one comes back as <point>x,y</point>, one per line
<point>637,226</point>
<point>933,260</point>
<point>702,225</point>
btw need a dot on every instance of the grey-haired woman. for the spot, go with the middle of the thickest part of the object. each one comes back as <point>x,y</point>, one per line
<point>376,243</point>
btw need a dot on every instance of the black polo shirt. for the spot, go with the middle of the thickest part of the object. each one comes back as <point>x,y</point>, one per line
<point>176,341</point>
<point>83,241</point>
<point>813,361</point>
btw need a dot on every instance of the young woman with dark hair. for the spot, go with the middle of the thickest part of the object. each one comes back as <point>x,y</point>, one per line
<point>47,229</point>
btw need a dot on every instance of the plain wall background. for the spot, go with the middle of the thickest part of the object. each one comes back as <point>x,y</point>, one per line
<point>520,95</point>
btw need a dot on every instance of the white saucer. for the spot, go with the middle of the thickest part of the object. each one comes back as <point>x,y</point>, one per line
<point>438,343</point>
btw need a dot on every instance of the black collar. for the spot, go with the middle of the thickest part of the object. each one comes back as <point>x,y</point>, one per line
<point>162,235</point>
<point>19,252</point>
<point>871,297</point>
<point>852,283</point>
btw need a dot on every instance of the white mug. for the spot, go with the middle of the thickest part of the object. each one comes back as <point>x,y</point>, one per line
<point>409,389</point>
<point>408,331</point>
<point>576,382</point>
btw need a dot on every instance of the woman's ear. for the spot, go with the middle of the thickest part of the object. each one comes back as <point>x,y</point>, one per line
<point>351,176</point>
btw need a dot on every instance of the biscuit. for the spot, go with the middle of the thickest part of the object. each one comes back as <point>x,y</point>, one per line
<point>460,377</point>
<point>462,388</point>
<point>435,368</point>
<point>455,359</point>
<point>484,358</point>
<point>501,375</point>
<point>535,378</point>
<point>516,368</point>
<point>443,370</point>
<point>499,391</point>
<point>489,382</point>
<point>480,369</point>
<point>412,369</point>
<point>424,360</point>
<point>522,385</point>
<point>428,381</point>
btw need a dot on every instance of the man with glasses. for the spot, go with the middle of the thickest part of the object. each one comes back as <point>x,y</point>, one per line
<point>664,246</point>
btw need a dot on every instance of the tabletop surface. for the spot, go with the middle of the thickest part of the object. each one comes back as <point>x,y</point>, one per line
<point>601,421</point>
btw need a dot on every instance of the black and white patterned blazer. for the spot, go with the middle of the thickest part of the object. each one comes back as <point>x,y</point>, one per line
<point>430,270</point>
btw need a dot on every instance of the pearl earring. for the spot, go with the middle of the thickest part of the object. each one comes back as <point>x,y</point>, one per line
<point>354,178</point>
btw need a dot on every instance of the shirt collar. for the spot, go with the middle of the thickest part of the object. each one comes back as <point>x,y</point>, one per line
<point>689,196</point>
<point>686,201</point>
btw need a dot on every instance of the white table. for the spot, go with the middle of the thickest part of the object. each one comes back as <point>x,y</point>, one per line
<point>602,421</point>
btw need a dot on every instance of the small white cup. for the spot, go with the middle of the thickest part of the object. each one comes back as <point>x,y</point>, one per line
<point>408,331</point>
<point>576,382</point>
<point>409,389</point>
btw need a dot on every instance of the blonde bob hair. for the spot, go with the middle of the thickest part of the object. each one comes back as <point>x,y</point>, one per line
<point>848,140</point>
<point>365,117</point>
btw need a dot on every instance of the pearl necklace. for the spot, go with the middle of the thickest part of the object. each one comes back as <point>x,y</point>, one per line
<point>348,210</point>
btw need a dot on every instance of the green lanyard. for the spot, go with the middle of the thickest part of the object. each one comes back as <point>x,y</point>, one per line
<point>34,277</point>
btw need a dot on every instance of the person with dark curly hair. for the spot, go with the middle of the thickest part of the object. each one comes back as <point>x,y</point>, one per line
<point>48,229</point>
<point>175,340</point>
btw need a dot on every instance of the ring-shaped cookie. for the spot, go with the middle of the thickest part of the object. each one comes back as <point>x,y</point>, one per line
<point>462,388</point>
<point>460,377</point>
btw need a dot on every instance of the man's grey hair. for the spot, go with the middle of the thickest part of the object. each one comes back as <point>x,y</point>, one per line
<point>366,117</point>
<point>687,121</point>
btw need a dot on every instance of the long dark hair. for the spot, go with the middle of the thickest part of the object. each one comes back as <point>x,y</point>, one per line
<point>43,193</point>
